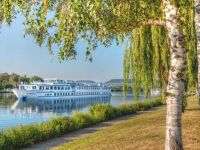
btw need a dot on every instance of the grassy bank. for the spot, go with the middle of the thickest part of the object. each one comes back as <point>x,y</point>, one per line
<point>24,136</point>
<point>146,131</point>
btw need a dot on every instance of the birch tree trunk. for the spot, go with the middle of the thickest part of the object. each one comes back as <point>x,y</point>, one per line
<point>197,25</point>
<point>176,80</point>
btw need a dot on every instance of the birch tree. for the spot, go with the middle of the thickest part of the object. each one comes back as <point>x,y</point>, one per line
<point>197,24</point>
<point>64,22</point>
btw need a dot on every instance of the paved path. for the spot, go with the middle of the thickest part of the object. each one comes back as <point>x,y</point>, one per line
<point>47,145</point>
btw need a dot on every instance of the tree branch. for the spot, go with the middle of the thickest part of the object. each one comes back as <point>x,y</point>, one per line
<point>131,26</point>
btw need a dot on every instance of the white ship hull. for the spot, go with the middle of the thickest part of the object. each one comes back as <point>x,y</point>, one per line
<point>38,95</point>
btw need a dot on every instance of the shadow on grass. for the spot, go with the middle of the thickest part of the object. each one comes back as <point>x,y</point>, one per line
<point>192,109</point>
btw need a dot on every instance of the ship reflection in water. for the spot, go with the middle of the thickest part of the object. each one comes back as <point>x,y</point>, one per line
<point>55,107</point>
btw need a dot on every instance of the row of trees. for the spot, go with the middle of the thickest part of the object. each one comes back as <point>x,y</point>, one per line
<point>10,80</point>
<point>146,23</point>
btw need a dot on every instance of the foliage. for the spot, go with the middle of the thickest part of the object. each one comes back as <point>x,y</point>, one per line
<point>35,78</point>
<point>146,58</point>
<point>104,112</point>
<point>11,80</point>
<point>63,23</point>
<point>16,138</point>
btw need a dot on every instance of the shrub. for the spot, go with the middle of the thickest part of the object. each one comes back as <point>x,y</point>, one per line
<point>61,125</point>
<point>2,141</point>
<point>81,120</point>
<point>103,112</point>
<point>127,109</point>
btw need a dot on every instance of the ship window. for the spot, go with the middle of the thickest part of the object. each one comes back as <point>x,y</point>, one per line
<point>68,88</point>
<point>55,88</point>
<point>58,88</point>
<point>51,87</point>
<point>47,88</point>
<point>54,94</point>
<point>65,88</point>
<point>62,88</point>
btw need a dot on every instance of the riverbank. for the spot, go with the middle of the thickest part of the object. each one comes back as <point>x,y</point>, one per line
<point>24,136</point>
<point>146,131</point>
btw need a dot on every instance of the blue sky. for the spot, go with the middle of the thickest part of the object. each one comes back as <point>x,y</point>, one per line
<point>23,56</point>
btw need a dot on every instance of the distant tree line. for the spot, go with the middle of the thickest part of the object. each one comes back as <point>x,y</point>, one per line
<point>120,88</point>
<point>8,81</point>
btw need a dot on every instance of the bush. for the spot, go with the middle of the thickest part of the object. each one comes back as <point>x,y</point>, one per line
<point>61,125</point>
<point>103,112</point>
<point>81,120</point>
<point>16,138</point>
<point>2,141</point>
<point>127,109</point>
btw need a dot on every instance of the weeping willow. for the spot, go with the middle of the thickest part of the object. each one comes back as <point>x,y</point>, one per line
<point>190,32</point>
<point>146,58</point>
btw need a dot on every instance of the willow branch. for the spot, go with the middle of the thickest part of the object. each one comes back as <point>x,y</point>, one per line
<point>131,26</point>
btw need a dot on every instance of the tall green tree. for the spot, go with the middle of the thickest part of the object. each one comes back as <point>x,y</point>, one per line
<point>14,78</point>
<point>100,22</point>
<point>35,78</point>
<point>24,79</point>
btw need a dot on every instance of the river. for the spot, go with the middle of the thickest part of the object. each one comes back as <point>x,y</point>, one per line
<point>14,113</point>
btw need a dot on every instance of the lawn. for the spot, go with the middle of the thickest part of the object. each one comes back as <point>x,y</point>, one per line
<point>145,131</point>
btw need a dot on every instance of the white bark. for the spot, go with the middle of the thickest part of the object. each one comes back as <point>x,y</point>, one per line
<point>197,24</point>
<point>176,80</point>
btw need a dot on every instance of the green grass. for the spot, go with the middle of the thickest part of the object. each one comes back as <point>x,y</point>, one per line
<point>142,132</point>
<point>16,138</point>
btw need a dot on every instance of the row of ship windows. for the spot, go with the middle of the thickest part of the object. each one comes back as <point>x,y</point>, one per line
<point>53,88</point>
<point>61,88</point>
<point>78,93</point>
<point>45,87</point>
<point>91,88</point>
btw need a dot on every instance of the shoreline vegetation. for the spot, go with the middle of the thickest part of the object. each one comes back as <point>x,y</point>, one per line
<point>9,81</point>
<point>145,131</point>
<point>24,136</point>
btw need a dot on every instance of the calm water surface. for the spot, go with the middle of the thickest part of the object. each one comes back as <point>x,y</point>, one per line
<point>15,113</point>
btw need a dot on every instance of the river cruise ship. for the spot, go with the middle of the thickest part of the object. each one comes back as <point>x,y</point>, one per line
<point>59,89</point>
